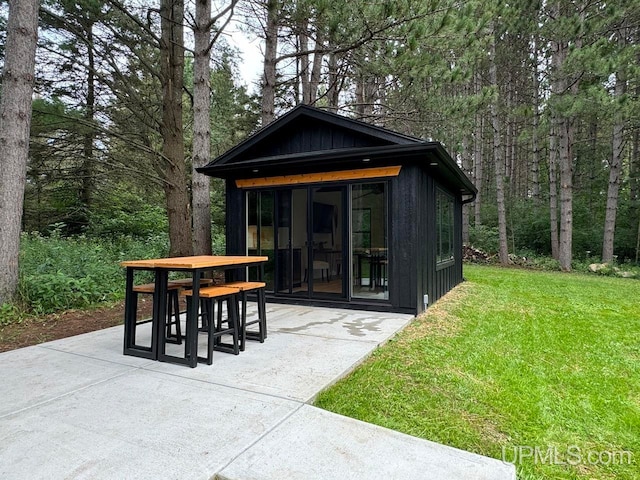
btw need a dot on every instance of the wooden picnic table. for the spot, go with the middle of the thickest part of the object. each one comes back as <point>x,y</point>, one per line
<point>196,266</point>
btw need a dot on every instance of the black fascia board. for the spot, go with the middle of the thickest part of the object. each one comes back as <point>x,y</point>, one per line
<point>349,158</point>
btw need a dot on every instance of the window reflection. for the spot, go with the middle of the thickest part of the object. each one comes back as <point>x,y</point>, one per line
<point>369,241</point>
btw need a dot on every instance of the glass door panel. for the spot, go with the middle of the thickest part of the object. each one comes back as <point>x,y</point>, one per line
<point>369,241</point>
<point>299,241</point>
<point>327,227</point>
<point>260,233</point>
<point>291,238</point>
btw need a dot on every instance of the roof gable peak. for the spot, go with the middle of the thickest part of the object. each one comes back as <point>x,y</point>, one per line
<point>306,129</point>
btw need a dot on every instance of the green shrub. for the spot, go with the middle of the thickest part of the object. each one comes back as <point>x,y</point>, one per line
<point>484,238</point>
<point>58,273</point>
<point>10,313</point>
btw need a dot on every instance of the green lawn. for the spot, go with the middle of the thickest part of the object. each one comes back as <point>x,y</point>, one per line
<point>511,360</point>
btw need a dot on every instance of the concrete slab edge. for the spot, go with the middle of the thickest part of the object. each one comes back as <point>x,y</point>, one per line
<point>357,364</point>
<point>218,475</point>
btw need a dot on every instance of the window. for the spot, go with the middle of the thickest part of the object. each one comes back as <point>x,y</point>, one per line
<point>370,261</point>
<point>444,227</point>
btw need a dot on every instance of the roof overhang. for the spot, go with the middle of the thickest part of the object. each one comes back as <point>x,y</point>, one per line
<point>429,155</point>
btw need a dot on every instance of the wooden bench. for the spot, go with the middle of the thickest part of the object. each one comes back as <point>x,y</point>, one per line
<point>208,297</point>
<point>173,309</point>
<point>261,321</point>
<point>188,282</point>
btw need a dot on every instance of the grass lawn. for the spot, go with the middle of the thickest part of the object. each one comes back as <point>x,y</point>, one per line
<point>513,360</point>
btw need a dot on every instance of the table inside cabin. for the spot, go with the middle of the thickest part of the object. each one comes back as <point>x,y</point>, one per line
<point>196,266</point>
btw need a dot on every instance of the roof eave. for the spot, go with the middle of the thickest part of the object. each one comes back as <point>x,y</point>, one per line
<point>343,159</point>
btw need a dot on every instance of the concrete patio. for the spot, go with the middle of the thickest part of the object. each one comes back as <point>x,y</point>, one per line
<point>78,409</point>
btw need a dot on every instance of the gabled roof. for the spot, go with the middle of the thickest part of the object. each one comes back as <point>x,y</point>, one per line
<point>307,139</point>
<point>306,129</point>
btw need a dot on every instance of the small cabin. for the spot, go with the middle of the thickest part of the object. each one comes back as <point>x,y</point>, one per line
<point>349,214</point>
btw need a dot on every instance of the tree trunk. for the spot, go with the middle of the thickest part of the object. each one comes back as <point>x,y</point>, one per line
<point>565,240</point>
<point>175,175</point>
<point>562,125</point>
<point>200,195</point>
<point>466,166</point>
<point>498,158</point>
<point>270,52</point>
<point>535,161</point>
<point>634,168</point>
<point>303,60</point>
<point>634,163</point>
<point>15,121</point>
<point>360,97</point>
<point>553,191</point>
<point>638,243</point>
<point>87,170</point>
<point>316,70</point>
<point>615,166</point>
<point>333,94</point>
<point>477,153</point>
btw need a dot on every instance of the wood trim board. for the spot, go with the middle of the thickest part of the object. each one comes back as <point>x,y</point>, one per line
<point>321,177</point>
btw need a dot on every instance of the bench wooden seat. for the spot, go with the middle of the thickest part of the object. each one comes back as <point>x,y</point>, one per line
<point>208,297</point>
<point>242,286</point>
<point>188,282</point>
<point>261,321</point>
<point>173,308</point>
<point>213,291</point>
<point>151,288</point>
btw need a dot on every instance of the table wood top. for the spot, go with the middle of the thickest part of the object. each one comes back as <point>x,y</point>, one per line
<point>200,261</point>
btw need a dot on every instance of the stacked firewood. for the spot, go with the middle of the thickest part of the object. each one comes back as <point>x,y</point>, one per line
<point>472,254</point>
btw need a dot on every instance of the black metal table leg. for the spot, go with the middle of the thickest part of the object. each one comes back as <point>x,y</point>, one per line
<point>192,321</point>
<point>130,312</point>
<point>129,315</point>
<point>158,333</point>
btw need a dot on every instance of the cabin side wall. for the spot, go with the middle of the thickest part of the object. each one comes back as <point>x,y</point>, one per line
<point>403,231</point>
<point>435,279</point>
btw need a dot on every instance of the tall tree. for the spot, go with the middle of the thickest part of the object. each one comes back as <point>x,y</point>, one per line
<point>15,120</point>
<point>200,195</point>
<point>175,174</point>
<point>563,85</point>
<point>73,55</point>
<point>498,156</point>
<point>200,185</point>
<point>270,61</point>
<point>621,54</point>
<point>615,164</point>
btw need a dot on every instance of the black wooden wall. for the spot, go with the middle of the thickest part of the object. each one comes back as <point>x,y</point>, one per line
<point>236,220</point>
<point>413,221</point>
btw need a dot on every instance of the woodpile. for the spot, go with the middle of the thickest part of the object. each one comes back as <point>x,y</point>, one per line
<point>472,254</point>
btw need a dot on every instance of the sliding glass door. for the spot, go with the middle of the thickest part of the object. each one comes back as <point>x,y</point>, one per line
<point>324,242</point>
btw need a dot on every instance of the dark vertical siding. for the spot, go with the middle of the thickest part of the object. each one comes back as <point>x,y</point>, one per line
<point>236,220</point>
<point>429,267</point>
<point>403,220</point>
<point>457,246</point>
<point>445,278</point>
<point>308,136</point>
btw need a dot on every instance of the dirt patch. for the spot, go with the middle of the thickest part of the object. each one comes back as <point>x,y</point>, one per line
<point>438,319</point>
<point>66,324</point>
